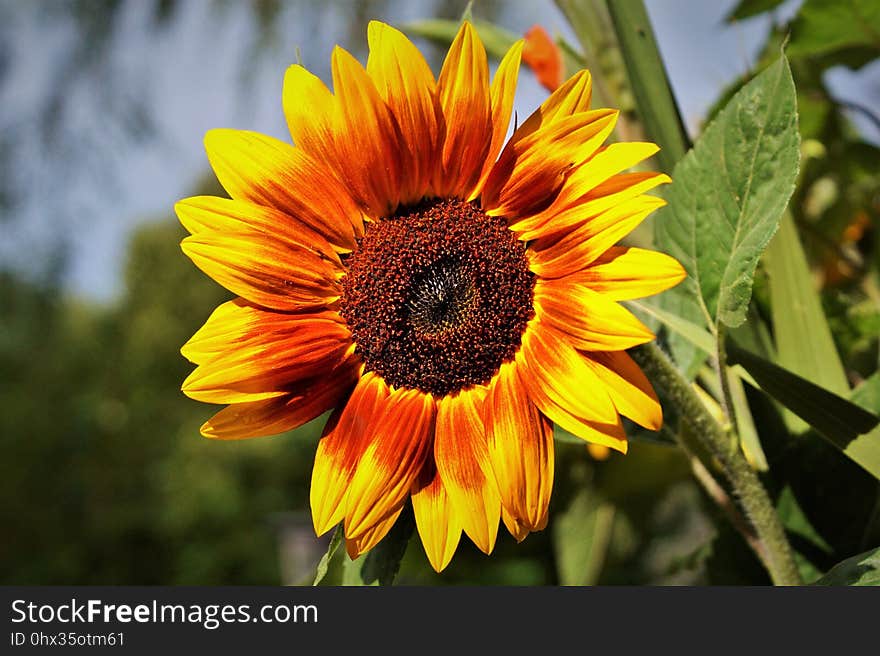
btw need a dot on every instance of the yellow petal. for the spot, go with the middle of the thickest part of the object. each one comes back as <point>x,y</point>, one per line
<point>206,214</point>
<point>402,440</point>
<point>463,90</point>
<point>438,523</point>
<point>368,151</point>
<point>520,445</point>
<point>311,111</point>
<point>566,211</point>
<point>501,95</point>
<point>530,172</point>
<point>344,440</point>
<point>516,527</point>
<point>554,366</point>
<point>361,544</point>
<point>265,171</point>
<point>589,320</point>
<point>629,389</point>
<point>608,433</point>
<point>462,459</point>
<point>571,98</point>
<point>307,401</point>
<point>256,354</point>
<point>265,271</point>
<point>573,250</point>
<point>625,273</point>
<point>405,82</point>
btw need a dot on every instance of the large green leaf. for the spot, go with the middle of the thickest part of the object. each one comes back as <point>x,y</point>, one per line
<point>844,423</point>
<point>824,26</point>
<point>729,192</point>
<point>863,569</point>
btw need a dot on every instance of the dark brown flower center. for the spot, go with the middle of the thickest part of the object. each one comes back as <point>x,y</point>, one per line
<point>437,296</point>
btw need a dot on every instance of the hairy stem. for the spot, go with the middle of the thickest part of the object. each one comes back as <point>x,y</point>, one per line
<point>705,436</point>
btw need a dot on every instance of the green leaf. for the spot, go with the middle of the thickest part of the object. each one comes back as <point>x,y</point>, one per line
<point>324,563</point>
<point>863,569</point>
<point>866,448</point>
<point>681,302</point>
<point>749,8</point>
<point>581,536</point>
<point>729,192</point>
<point>804,344</point>
<point>496,39</point>
<point>824,26</point>
<point>692,332</point>
<point>845,424</point>
<point>795,521</point>
<point>748,432</point>
<point>381,564</point>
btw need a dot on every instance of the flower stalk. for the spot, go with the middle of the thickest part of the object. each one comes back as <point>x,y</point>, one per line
<point>706,436</point>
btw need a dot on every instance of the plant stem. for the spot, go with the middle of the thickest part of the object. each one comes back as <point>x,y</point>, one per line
<point>706,436</point>
<point>655,103</point>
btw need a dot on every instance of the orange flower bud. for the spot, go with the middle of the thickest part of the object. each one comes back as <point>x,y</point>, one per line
<point>544,57</point>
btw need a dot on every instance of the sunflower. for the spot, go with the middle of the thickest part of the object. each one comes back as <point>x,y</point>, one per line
<point>448,296</point>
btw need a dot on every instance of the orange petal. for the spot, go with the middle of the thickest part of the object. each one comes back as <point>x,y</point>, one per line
<point>280,414</point>
<point>353,132</point>
<point>368,150</point>
<point>544,57</point>
<point>345,438</point>
<point>462,459</point>
<point>266,271</point>
<point>567,211</point>
<point>248,354</point>
<point>372,536</point>
<point>206,214</point>
<point>531,171</point>
<point>575,249</point>
<point>609,434</point>
<point>438,523</point>
<point>405,82</point>
<point>403,438</point>
<point>589,320</point>
<point>501,94</point>
<point>571,98</point>
<point>463,90</point>
<point>552,365</point>
<point>311,111</point>
<point>629,389</point>
<point>625,273</point>
<point>520,445</point>
<point>259,169</point>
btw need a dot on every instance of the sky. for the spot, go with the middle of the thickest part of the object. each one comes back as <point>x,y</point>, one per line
<point>190,78</point>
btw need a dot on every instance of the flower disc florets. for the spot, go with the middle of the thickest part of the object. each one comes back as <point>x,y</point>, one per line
<point>437,296</point>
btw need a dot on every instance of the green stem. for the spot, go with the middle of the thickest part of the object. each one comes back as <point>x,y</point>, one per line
<point>706,436</point>
<point>655,103</point>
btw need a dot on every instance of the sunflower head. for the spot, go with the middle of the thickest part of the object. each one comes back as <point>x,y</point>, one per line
<point>449,296</point>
